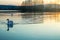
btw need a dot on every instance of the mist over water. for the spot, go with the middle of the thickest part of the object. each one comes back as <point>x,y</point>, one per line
<point>32,26</point>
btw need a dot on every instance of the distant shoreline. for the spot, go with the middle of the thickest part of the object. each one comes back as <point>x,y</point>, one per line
<point>8,11</point>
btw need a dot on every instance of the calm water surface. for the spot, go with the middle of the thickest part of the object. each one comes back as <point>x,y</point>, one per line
<point>32,26</point>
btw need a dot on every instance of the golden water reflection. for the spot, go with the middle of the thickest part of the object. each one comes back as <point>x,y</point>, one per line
<point>52,17</point>
<point>47,17</point>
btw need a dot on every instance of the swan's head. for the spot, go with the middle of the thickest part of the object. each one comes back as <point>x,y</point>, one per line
<point>7,19</point>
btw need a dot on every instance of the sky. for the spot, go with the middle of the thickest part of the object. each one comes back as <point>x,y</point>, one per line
<point>11,2</point>
<point>51,1</point>
<point>18,2</point>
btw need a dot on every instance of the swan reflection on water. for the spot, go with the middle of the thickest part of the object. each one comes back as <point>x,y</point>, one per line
<point>10,24</point>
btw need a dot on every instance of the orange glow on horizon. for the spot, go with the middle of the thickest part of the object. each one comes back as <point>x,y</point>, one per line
<point>19,2</point>
<point>51,1</point>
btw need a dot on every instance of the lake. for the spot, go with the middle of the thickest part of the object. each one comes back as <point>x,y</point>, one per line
<point>32,26</point>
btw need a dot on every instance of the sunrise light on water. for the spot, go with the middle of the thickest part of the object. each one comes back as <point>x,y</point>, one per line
<point>48,17</point>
